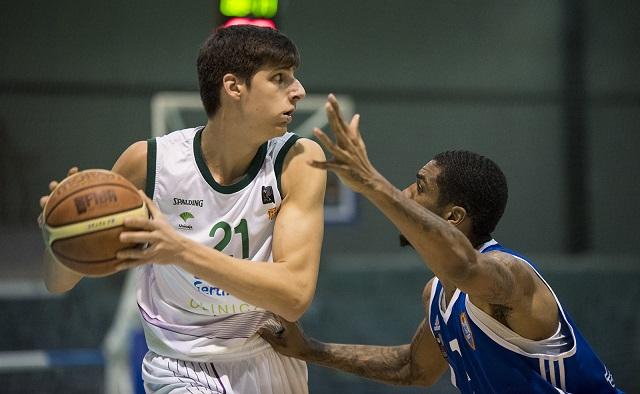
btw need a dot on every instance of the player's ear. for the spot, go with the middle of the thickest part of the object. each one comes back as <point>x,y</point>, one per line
<point>456,214</point>
<point>232,86</point>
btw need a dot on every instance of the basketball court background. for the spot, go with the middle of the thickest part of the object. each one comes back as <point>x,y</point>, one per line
<point>550,90</point>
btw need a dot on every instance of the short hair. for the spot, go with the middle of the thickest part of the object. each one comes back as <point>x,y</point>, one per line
<point>241,50</point>
<point>475,183</point>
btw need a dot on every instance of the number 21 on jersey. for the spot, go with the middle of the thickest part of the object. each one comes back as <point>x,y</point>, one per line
<point>241,229</point>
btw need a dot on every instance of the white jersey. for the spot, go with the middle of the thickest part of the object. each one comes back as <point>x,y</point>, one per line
<point>185,317</point>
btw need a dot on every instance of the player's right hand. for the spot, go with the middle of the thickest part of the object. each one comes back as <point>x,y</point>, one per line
<point>52,185</point>
<point>287,338</point>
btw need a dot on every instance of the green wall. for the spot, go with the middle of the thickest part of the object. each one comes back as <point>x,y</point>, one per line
<point>77,79</point>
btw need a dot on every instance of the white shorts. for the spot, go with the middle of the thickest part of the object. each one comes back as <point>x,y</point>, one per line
<point>257,369</point>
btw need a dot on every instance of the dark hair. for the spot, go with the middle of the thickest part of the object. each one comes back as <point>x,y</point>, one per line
<point>475,183</point>
<point>241,50</point>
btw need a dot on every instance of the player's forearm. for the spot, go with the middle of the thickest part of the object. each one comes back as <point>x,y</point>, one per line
<point>271,286</point>
<point>445,249</point>
<point>388,364</point>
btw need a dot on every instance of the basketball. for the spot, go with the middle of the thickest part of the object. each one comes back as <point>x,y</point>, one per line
<point>84,217</point>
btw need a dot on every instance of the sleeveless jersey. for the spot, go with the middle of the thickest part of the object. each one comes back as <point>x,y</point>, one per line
<point>183,316</point>
<point>482,362</point>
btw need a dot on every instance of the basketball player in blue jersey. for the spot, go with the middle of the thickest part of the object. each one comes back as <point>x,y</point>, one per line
<point>490,316</point>
<point>236,227</point>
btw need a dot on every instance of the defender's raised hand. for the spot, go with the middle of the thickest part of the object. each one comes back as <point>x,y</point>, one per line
<point>350,161</point>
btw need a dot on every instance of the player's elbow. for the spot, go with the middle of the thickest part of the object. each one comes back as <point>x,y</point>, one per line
<point>291,315</point>
<point>295,309</point>
<point>296,305</point>
<point>426,380</point>
<point>57,278</point>
<point>57,283</point>
<point>57,287</point>
<point>421,378</point>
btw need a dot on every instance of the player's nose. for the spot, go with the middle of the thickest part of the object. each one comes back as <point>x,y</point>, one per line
<point>297,91</point>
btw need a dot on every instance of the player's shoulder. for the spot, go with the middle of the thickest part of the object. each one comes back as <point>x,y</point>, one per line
<point>426,292</point>
<point>132,163</point>
<point>501,256</point>
<point>134,154</point>
<point>298,156</point>
<point>305,149</point>
<point>296,173</point>
<point>176,136</point>
<point>513,262</point>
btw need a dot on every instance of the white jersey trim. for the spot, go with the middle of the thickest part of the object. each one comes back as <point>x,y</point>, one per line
<point>442,302</point>
<point>434,286</point>
<point>507,345</point>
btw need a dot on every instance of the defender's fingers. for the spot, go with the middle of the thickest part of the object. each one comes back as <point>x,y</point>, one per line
<point>324,139</point>
<point>43,201</point>
<point>330,166</point>
<point>269,335</point>
<point>333,101</point>
<point>335,123</point>
<point>354,128</point>
<point>322,165</point>
<point>53,185</point>
<point>335,107</point>
<point>72,170</point>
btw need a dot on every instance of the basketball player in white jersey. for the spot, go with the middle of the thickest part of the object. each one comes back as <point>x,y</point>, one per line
<point>236,226</point>
<point>490,316</point>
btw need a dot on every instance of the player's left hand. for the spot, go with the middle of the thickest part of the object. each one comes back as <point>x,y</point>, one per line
<point>163,244</point>
<point>287,339</point>
<point>350,160</point>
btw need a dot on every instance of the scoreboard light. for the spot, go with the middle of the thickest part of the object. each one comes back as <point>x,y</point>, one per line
<point>248,12</point>
<point>248,21</point>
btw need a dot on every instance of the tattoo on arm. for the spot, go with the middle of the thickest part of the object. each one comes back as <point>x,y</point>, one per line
<point>419,363</point>
<point>389,364</point>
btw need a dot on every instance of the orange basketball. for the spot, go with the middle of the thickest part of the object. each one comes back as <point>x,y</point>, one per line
<point>84,217</point>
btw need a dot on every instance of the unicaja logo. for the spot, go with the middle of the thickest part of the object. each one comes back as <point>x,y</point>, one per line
<point>185,216</point>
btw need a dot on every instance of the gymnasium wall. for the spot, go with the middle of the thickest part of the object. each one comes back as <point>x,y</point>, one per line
<point>76,79</point>
<point>426,76</point>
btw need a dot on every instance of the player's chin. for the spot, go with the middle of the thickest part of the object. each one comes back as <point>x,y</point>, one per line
<point>280,130</point>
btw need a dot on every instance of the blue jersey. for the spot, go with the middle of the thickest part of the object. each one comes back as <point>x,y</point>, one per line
<point>482,362</point>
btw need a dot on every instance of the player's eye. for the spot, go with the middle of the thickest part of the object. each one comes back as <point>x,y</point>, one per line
<point>278,78</point>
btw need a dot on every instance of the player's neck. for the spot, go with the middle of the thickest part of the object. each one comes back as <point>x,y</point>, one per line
<point>227,151</point>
